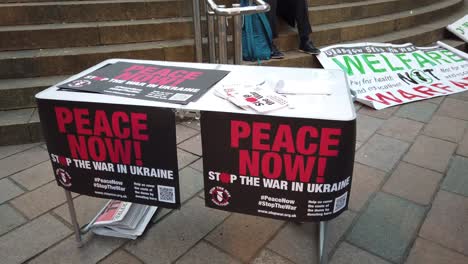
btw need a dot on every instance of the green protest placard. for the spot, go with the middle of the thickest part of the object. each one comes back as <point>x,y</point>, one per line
<point>383,75</point>
<point>460,28</point>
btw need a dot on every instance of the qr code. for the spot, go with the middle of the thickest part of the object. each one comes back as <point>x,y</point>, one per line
<point>340,202</point>
<point>166,194</point>
<point>180,97</point>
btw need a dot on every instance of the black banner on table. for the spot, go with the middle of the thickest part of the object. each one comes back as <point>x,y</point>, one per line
<point>278,167</point>
<point>169,84</point>
<point>113,151</point>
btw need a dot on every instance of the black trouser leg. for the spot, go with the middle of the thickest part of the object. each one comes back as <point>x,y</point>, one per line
<point>302,19</point>
<point>272,18</point>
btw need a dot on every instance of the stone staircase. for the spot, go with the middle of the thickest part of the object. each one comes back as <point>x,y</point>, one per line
<point>44,41</point>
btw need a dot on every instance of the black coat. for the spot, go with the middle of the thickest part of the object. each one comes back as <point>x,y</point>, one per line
<point>287,10</point>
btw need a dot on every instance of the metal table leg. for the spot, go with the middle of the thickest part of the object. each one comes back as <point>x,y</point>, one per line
<point>323,256</point>
<point>76,226</point>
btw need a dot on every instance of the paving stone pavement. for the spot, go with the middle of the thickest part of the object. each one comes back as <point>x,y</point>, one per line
<point>409,204</point>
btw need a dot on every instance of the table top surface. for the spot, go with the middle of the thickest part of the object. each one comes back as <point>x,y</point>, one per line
<point>337,105</point>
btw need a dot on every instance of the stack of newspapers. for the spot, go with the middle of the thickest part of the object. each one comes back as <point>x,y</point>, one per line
<point>123,219</point>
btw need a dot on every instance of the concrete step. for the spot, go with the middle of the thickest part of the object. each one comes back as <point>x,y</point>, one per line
<point>49,12</point>
<point>47,62</point>
<point>19,93</point>
<point>291,58</point>
<point>329,2</point>
<point>37,1</point>
<point>423,34</point>
<point>311,2</point>
<point>28,1</point>
<point>340,12</point>
<point>19,126</point>
<point>371,27</point>
<point>93,33</point>
<point>35,63</point>
<point>143,30</point>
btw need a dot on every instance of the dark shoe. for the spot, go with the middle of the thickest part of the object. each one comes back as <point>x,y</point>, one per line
<point>275,53</point>
<point>309,48</point>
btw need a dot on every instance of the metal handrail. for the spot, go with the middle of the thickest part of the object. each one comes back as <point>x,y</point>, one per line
<point>197,30</point>
<point>220,10</point>
<point>221,14</point>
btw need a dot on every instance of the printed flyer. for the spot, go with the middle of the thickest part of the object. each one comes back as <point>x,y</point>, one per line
<point>384,75</point>
<point>113,151</point>
<point>279,167</point>
<point>167,84</point>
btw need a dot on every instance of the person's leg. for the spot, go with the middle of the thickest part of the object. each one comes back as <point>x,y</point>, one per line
<point>302,19</point>
<point>303,27</point>
<point>272,18</point>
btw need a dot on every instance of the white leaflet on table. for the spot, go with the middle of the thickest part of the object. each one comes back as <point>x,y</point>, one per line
<point>238,101</point>
<point>226,88</point>
<point>260,100</point>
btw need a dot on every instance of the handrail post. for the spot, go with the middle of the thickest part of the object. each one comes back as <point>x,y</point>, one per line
<point>222,38</point>
<point>237,37</point>
<point>197,31</point>
<point>221,14</point>
<point>210,15</point>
